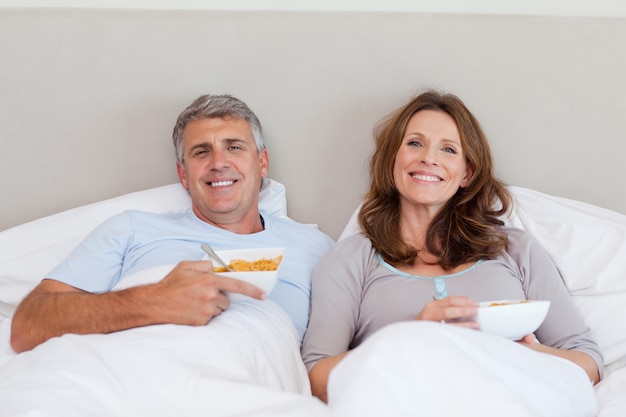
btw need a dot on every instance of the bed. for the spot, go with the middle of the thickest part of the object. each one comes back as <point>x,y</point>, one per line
<point>247,361</point>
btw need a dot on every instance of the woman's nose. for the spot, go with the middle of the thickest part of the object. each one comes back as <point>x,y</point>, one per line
<point>429,156</point>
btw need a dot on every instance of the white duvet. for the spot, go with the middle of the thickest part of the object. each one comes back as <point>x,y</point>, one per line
<point>246,362</point>
<point>444,370</point>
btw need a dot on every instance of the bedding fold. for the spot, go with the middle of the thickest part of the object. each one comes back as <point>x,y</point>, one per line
<point>246,361</point>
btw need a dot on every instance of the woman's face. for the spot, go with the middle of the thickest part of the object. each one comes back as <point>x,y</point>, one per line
<point>430,164</point>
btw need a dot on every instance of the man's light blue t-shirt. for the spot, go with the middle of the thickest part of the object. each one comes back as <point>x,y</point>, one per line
<point>134,241</point>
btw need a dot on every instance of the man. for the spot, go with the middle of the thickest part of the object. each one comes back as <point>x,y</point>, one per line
<point>221,161</point>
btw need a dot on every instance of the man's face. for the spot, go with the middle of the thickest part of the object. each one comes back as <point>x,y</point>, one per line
<point>222,170</point>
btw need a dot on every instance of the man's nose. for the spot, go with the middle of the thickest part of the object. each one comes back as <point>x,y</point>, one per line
<point>219,159</point>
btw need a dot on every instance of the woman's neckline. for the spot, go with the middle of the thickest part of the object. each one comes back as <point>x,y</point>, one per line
<point>406,274</point>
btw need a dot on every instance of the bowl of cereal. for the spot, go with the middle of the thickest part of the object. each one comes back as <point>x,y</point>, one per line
<point>258,266</point>
<point>512,319</point>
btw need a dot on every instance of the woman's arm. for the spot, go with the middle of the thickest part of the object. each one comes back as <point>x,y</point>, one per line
<point>579,358</point>
<point>320,373</point>
<point>563,333</point>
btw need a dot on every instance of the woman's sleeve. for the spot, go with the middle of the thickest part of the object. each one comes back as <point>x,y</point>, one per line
<point>563,327</point>
<point>335,300</point>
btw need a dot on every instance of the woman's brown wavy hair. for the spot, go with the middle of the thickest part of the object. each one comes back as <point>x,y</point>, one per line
<point>468,226</point>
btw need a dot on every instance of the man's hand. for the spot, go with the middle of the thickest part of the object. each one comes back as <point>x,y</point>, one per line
<point>193,294</point>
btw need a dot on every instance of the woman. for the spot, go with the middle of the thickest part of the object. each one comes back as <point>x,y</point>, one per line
<point>434,245</point>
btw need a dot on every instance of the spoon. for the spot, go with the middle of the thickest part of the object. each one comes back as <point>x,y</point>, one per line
<point>209,250</point>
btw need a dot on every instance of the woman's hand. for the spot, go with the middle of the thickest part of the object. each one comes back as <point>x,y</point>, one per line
<point>529,340</point>
<point>458,310</point>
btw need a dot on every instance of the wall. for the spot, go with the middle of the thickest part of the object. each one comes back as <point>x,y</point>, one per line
<point>88,98</point>
<point>598,8</point>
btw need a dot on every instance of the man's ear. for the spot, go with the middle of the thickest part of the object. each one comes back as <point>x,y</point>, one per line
<point>264,162</point>
<point>182,176</point>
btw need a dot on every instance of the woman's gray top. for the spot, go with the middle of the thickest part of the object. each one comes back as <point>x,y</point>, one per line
<point>355,293</point>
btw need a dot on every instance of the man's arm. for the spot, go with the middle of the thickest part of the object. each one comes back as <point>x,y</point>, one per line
<point>190,294</point>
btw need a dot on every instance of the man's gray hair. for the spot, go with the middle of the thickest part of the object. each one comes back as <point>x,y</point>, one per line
<point>210,106</point>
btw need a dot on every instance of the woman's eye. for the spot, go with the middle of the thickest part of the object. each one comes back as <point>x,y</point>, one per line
<point>449,150</point>
<point>414,143</point>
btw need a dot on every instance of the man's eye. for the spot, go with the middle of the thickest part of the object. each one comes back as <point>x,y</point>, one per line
<point>200,152</point>
<point>234,147</point>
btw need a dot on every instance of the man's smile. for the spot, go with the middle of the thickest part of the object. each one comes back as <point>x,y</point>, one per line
<point>220,183</point>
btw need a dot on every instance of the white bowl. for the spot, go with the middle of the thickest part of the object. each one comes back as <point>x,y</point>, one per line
<point>266,280</point>
<point>512,319</point>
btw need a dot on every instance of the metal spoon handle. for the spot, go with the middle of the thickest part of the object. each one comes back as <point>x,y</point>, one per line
<point>209,250</point>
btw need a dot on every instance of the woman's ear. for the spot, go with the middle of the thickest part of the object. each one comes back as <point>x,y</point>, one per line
<point>467,178</point>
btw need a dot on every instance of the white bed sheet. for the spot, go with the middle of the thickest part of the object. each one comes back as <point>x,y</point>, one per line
<point>443,370</point>
<point>611,394</point>
<point>246,362</point>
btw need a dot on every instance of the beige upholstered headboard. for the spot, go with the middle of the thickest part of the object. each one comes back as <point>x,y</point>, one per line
<point>88,98</point>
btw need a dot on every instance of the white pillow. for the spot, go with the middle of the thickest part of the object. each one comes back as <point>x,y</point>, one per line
<point>30,250</point>
<point>588,244</point>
